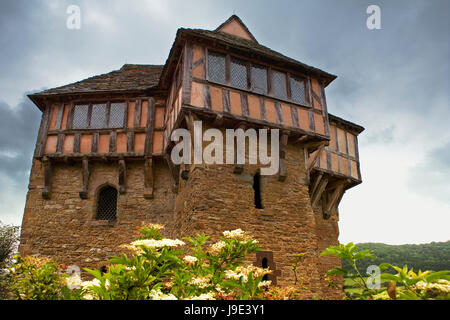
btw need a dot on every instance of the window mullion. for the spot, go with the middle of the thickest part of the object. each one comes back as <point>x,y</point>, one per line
<point>89,116</point>
<point>288,86</point>
<point>228,69</point>
<point>108,114</point>
<point>269,81</point>
<point>249,75</point>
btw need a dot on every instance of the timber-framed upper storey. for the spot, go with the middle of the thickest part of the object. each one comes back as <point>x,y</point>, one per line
<point>224,76</point>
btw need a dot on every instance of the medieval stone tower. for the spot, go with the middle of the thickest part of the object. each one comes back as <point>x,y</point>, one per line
<point>102,161</point>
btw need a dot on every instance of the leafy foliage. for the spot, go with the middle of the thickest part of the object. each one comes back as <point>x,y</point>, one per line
<point>432,256</point>
<point>413,286</point>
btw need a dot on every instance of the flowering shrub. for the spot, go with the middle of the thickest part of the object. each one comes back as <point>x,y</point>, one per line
<point>32,278</point>
<point>156,268</point>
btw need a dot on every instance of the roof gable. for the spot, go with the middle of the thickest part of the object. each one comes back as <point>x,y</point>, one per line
<point>236,27</point>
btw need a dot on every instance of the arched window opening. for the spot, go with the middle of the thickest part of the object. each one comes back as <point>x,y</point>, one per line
<point>257,190</point>
<point>107,204</point>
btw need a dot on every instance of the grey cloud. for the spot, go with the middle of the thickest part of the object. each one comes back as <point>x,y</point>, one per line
<point>18,131</point>
<point>431,177</point>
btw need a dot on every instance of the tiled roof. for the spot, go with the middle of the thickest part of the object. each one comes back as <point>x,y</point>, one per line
<point>129,77</point>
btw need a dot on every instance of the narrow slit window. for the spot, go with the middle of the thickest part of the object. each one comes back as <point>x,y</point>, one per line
<point>259,79</point>
<point>107,204</point>
<point>216,67</point>
<point>257,190</point>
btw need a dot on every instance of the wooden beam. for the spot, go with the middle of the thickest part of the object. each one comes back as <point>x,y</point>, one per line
<point>338,192</point>
<point>137,113</point>
<point>48,170</point>
<point>316,183</point>
<point>43,130</point>
<point>325,213</point>
<point>148,178</point>
<point>320,189</point>
<point>122,176</point>
<point>150,127</point>
<point>301,139</point>
<point>86,174</point>
<point>312,160</point>
<point>112,141</point>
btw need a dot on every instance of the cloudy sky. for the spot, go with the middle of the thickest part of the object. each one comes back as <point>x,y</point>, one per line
<point>393,81</point>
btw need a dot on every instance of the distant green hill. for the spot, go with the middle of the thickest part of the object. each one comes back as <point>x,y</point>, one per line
<point>431,256</point>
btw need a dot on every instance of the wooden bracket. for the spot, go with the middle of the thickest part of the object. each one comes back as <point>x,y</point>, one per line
<point>149,178</point>
<point>122,176</point>
<point>313,159</point>
<point>48,170</point>
<point>335,196</point>
<point>86,174</point>
<point>319,191</point>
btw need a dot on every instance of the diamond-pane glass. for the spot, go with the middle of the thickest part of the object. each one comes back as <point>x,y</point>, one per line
<point>298,90</point>
<point>80,116</point>
<point>107,204</point>
<point>98,117</point>
<point>238,74</point>
<point>216,67</point>
<point>259,79</point>
<point>117,114</point>
<point>279,85</point>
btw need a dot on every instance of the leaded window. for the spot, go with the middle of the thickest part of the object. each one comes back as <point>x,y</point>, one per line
<point>238,73</point>
<point>98,117</point>
<point>107,204</point>
<point>259,79</point>
<point>298,90</point>
<point>80,116</point>
<point>279,85</point>
<point>117,115</point>
<point>216,67</point>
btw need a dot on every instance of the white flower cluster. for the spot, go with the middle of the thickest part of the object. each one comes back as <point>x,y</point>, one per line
<point>136,246</point>
<point>159,295</point>
<point>200,281</point>
<point>244,272</point>
<point>238,234</point>
<point>189,260</point>
<point>217,247</point>
<point>73,282</point>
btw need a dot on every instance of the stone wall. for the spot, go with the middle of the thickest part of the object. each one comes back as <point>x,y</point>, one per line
<point>212,200</point>
<point>65,228</point>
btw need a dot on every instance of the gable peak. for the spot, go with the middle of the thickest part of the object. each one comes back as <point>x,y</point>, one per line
<point>234,26</point>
